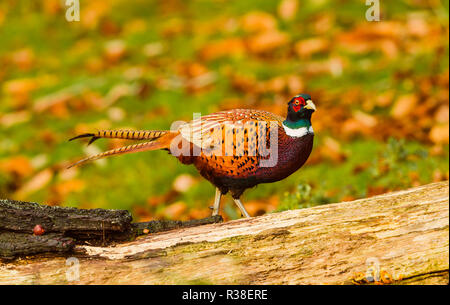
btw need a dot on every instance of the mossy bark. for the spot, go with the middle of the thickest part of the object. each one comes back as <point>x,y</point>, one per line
<point>399,238</point>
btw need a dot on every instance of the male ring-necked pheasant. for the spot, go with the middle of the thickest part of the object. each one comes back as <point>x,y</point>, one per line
<point>235,149</point>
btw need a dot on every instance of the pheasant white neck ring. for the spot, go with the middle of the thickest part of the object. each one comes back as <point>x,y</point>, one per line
<point>298,132</point>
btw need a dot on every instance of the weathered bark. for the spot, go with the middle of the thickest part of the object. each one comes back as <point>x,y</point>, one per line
<point>12,243</point>
<point>403,236</point>
<point>20,216</point>
<point>65,227</point>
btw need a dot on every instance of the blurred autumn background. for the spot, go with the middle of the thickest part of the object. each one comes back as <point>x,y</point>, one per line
<point>381,89</point>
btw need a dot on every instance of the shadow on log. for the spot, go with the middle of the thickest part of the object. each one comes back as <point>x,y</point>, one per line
<point>399,238</point>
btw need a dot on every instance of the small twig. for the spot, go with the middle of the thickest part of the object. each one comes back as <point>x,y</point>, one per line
<point>155,226</point>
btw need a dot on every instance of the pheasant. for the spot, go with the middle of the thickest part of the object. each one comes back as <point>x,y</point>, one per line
<point>234,150</point>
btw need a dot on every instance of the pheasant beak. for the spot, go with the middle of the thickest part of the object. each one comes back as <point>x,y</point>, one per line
<point>310,105</point>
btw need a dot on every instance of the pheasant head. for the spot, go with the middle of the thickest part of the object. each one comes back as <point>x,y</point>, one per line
<point>300,109</point>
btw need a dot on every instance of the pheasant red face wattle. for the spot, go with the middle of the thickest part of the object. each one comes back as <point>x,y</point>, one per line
<point>299,102</point>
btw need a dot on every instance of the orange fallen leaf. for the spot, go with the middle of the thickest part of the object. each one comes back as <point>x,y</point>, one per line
<point>20,89</point>
<point>64,188</point>
<point>19,165</point>
<point>223,48</point>
<point>417,26</point>
<point>366,119</point>
<point>331,149</point>
<point>414,176</point>
<point>276,84</point>
<point>442,114</point>
<point>348,198</point>
<point>258,21</point>
<point>52,7</point>
<point>308,47</point>
<point>135,26</point>
<point>175,210</point>
<point>389,48</point>
<point>142,213</point>
<point>36,183</point>
<point>23,59</point>
<point>287,9</point>
<point>438,175</point>
<point>153,49</point>
<point>436,150</point>
<point>93,12</point>
<point>267,41</point>
<point>183,183</point>
<point>13,118</point>
<point>385,99</point>
<point>115,50</point>
<point>109,27</point>
<point>94,64</point>
<point>255,208</point>
<point>295,84</point>
<point>404,106</point>
<point>439,134</point>
<point>376,190</point>
<point>199,213</point>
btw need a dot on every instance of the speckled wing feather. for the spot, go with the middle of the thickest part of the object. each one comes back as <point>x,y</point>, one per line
<point>230,140</point>
<point>201,131</point>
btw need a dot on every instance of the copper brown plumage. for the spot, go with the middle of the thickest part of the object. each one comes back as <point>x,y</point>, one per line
<point>235,149</point>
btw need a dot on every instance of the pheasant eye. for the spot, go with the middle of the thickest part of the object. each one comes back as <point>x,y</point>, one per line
<point>299,101</point>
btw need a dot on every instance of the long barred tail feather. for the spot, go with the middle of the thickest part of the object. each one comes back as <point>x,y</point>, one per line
<point>160,143</point>
<point>123,134</point>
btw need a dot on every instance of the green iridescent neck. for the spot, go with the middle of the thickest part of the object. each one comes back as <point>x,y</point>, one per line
<point>297,124</point>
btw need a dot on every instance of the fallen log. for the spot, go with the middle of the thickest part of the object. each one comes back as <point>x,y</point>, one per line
<point>26,244</point>
<point>63,227</point>
<point>399,238</point>
<point>18,216</point>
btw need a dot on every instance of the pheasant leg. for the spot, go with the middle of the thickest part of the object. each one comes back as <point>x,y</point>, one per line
<point>217,202</point>
<point>241,207</point>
